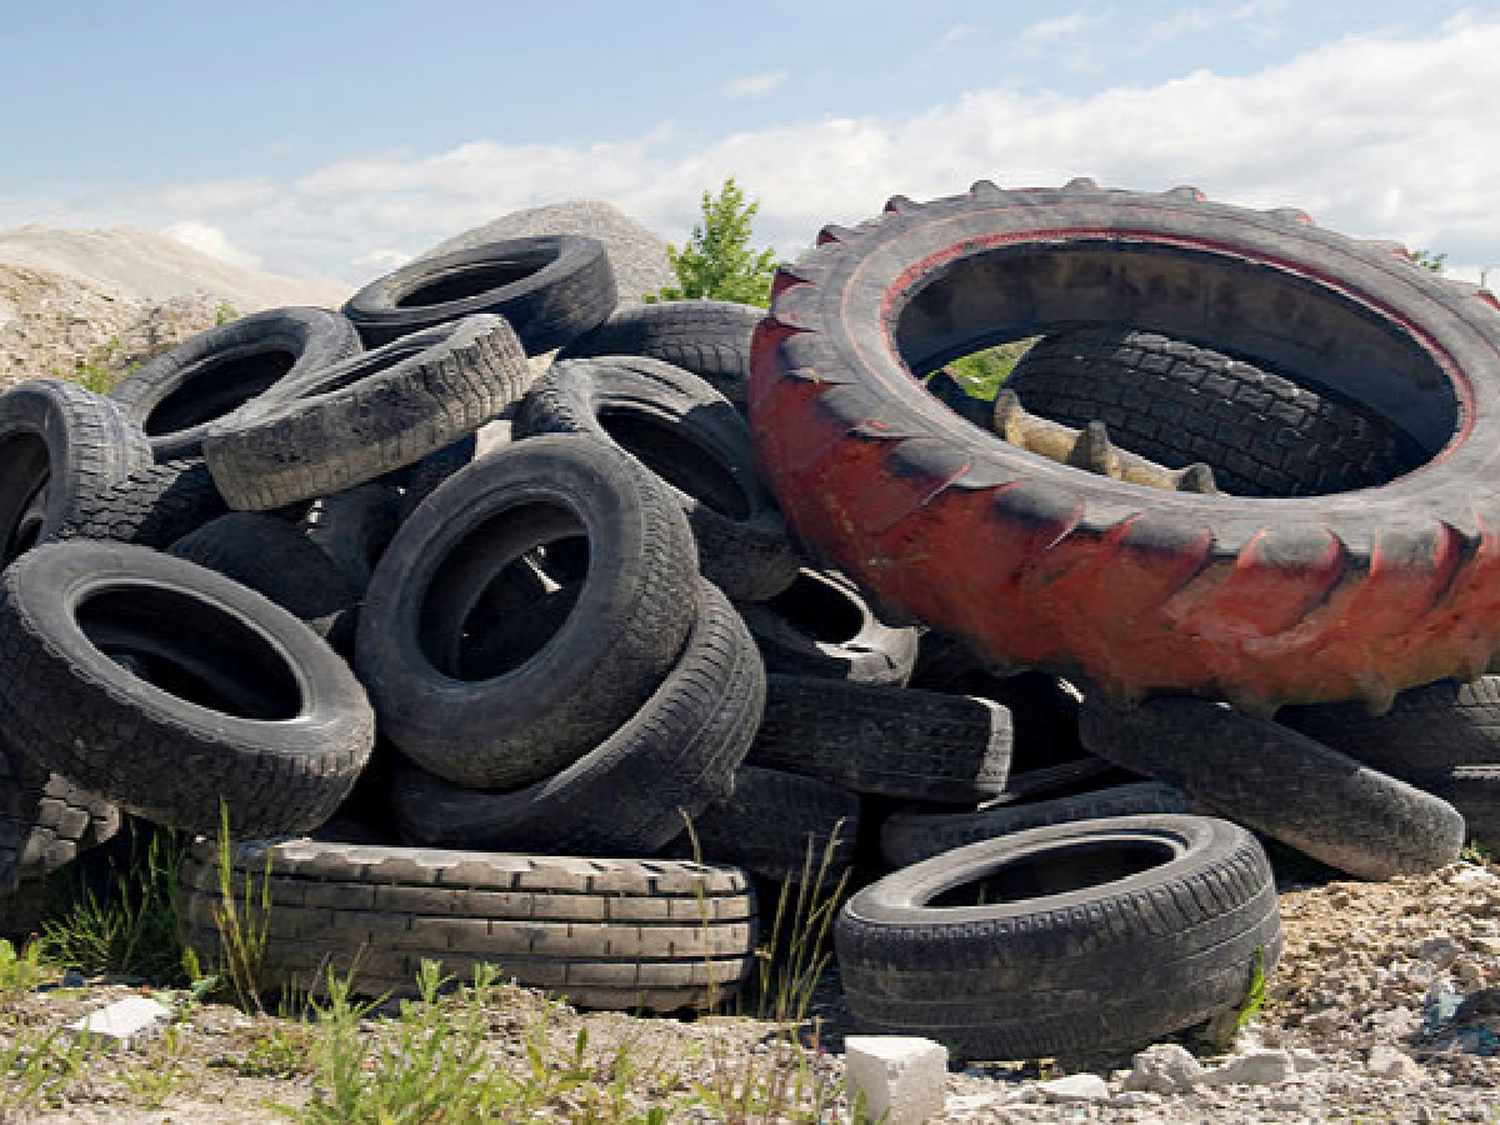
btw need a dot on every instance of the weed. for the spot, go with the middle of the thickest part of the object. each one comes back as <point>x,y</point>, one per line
<point>161,1074</point>
<point>20,971</point>
<point>1477,852</point>
<point>225,313</point>
<point>130,928</point>
<point>35,1067</point>
<point>281,1052</point>
<point>243,921</point>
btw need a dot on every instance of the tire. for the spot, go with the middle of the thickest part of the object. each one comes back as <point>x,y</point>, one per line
<point>228,670</point>
<point>21,912</point>
<point>178,396</point>
<point>885,741</point>
<point>605,933</point>
<point>779,826</point>
<point>687,434</point>
<point>676,756</point>
<point>1138,589</point>
<point>416,482</point>
<point>550,289</point>
<point>1279,782</point>
<point>942,386</point>
<point>822,626</point>
<point>910,837</point>
<point>1107,935</point>
<point>59,444</point>
<point>1175,404</point>
<point>709,338</point>
<point>352,422</point>
<point>46,821</point>
<point>540,708</point>
<point>279,562</point>
<point>354,527</point>
<point>154,506</point>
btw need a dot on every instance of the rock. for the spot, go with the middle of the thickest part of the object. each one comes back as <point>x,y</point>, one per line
<point>1254,1068</point>
<point>1480,1007</point>
<point>900,1078</point>
<point>1075,1088</point>
<point>961,1105</point>
<point>1474,879</point>
<point>1163,1068</point>
<point>1388,1062</point>
<point>122,1023</point>
<point>1469,973</point>
<point>1135,1099</point>
<point>1305,1060</point>
<point>1440,950</point>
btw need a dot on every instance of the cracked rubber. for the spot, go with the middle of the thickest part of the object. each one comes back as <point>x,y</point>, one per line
<point>604,933</point>
<point>1137,589</point>
<point>343,425</point>
<point>1101,935</point>
<point>686,433</point>
<point>243,703</point>
<point>1270,778</point>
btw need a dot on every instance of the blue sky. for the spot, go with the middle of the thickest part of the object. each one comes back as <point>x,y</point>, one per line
<point>337,138</point>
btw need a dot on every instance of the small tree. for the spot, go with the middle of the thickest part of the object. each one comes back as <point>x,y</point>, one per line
<point>1428,260</point>
<point>717,262</point>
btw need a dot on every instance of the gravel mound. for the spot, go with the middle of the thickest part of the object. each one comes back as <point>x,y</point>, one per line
<point>638,254</point>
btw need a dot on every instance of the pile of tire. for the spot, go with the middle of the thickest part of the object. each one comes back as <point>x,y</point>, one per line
<point>484,665</point>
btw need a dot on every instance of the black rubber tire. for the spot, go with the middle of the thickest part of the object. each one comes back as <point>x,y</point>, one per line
<point>275,559</point>
<point>605,933</point>
<point>885,741</point>
<point>942,386</point>
<point>518,723</point>
<point>343,425</point>
<point>910,837</point>
<point>21,911</point>
<point>59,445</point>
<point>154,506</point>
<point>676,756</point>
<point>1139,590</point>
<point>1270,778</point>
<point>778,826</point>
<point>709,338</point>
<point>354,527</point>
<point>245,704</point>
<point>179,395</point>
<point>686,433</point>
<point>1175,404</point>
<point>1107,934</point>
<point>821,625</point>
<point>45,820</point>
<point>417,482</point>
<point>551,289</point>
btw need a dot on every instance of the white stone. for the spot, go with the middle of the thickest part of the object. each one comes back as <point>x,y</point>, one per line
<point>1306,1061</point>
<point>902,1078</point>
<point>1474,878</point>
<point>961,1105</point>
<point>1163,1068</point>
<point>1075,1088</point>
<point>1389,1062</point>
<point>1132,1099</point>
<point>1255,1068</point>
<point>123,1023</point>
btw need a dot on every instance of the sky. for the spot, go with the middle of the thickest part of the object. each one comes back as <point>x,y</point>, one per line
<point>336,139</point>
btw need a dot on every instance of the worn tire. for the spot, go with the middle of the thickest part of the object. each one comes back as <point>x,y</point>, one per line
<point>1272,779</point>
<point>1107,934</point>
<point>885,741</point>
<point>821,625</point>
<point>779,826</point>
<point>245,704</point>
<point>177,396</point>
<point>1263,602</point>
<point>276,560</point>
<point>687,434</point>
<point>910,837</point>
<point>709,338</point>
<point>343,425</point>
<point>154,506</point>
<point>1175,404</point>
<point>550,289</point>
<point>59,446</point>
<point>677,755</point>
<point>542,708</point>
<point>605,933</point>
<point>45,820</point>
<point>354,527</point>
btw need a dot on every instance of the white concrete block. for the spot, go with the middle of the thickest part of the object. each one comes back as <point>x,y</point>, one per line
<point>123,1023</point>
<point>901,1077</point>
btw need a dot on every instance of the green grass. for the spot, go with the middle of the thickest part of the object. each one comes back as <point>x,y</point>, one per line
<point>20,970</point>
<point>983,373</point>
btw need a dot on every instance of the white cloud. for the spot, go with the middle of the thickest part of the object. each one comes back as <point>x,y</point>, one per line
<point>1062,27</point>
<point>383,261</point>
<point>211,241</point>
<point>755,85</point>
<point>1373,137</point>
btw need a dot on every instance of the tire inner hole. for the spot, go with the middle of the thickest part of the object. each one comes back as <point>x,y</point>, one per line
<point>667,447</point>
<point>819,609</point>
<point>219,386</point>
<point>1058,870</point>
<point>504,592</point>
<point>192,650</point>
<point>23,488</point>
<point>463,282</point>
